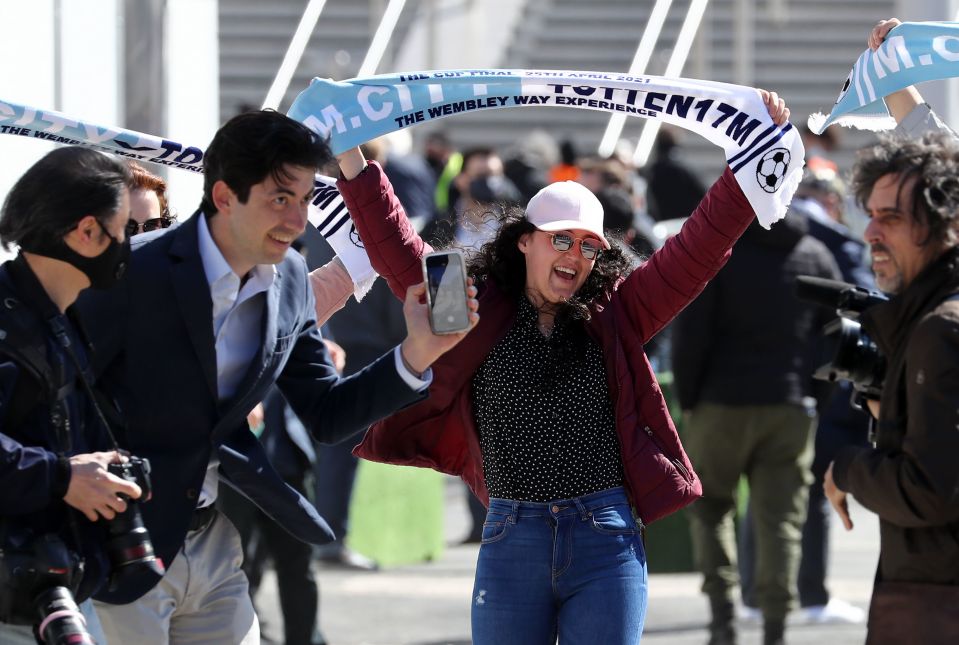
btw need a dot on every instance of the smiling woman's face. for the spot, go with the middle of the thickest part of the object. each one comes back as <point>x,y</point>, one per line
<point>555,276</point>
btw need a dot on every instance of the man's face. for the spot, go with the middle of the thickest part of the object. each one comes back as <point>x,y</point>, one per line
<point>894,237</point>
<point>96,241</point>
<point>262,230</point>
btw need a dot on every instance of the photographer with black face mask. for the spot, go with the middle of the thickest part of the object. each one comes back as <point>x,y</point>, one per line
<point>68,214</point>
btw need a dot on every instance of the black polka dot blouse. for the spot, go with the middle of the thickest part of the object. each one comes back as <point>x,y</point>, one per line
<point>546,423</point>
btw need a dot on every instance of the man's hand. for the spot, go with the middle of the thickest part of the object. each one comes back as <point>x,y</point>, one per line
<point>901,102</point>
<point>337,354</point>
<point>837,498</point>
<point>421,346</point>
<point>879,32</point>
<point>776,107</point>
<point>873,406</point>
<point>93,490</point>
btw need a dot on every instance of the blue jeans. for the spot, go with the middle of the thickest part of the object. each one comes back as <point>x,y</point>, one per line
<point>572,568</point>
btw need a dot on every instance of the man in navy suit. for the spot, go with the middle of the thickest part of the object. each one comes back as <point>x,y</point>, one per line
<point>213,313</point>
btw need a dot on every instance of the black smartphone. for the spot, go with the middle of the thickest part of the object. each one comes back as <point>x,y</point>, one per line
<point>445,275</point>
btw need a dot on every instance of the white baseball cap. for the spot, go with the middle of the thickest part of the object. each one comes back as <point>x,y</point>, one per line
<point>567,206</point>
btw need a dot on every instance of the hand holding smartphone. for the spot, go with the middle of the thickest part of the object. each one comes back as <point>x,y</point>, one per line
<point>446,291</point>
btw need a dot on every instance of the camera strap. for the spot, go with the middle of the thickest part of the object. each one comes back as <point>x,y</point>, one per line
<point>23,341</point>
<point>59,329</point>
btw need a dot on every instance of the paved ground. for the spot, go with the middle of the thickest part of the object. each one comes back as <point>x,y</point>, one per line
<point>428,604</point>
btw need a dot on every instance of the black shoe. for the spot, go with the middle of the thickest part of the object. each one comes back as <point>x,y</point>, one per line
<point>722,635</point>
<point>774,632</point>
<point>343,557</point>
<point>721,629</point>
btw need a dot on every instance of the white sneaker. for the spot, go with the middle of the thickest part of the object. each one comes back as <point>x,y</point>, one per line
<point>749,615</point>
<point>835,612</point>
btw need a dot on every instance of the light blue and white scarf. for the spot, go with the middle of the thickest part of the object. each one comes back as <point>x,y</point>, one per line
<point>767,159</point>
<point>327,211</point>
<point>912,53</point>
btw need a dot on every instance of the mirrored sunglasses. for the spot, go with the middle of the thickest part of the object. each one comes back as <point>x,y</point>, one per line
<point>563,242</point>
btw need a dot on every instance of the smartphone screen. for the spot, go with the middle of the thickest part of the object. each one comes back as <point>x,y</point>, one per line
<point>446,282</point>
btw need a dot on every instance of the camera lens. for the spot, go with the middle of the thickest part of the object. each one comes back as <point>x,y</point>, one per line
<point>129,546</point>
<point>61,622</point>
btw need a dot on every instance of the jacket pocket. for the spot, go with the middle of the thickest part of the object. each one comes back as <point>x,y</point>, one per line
<point>675,461</point>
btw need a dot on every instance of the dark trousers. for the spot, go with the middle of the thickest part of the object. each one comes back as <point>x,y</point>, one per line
<point>263,539</point>
<point>335,474</point>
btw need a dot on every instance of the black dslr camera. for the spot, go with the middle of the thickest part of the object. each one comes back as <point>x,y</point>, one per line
<point>129,546</point>
<point>851,355</point>
<point>38,577</point>
<point>39,574</point>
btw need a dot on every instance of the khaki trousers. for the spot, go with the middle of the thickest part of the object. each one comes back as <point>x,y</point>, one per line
<point>772,446</point>
<point>203,598</point>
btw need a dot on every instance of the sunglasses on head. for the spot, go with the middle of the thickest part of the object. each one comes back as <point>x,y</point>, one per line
<point>563,242</point>
<point>153,224</point>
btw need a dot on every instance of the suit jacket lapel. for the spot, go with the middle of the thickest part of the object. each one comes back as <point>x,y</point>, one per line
<point>270,322</point>
<point>193,297</point>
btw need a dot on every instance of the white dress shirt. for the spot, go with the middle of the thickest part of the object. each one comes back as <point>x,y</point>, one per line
<point>238,309</point>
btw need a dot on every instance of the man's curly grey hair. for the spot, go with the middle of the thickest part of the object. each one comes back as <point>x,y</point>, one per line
<point>934,161</point>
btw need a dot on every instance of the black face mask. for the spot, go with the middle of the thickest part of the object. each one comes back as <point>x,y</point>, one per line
<point>104,270</point>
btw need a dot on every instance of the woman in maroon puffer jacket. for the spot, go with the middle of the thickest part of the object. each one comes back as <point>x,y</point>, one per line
<point>549,409</point>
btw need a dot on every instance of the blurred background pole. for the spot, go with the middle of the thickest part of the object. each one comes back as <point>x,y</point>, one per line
<point>192,88</point>
<point>381,38</point>
<point>743,28</point>
<point>144,76</point>
<point>301,37</point>
<point>654,26</point>
<point>674,68</point>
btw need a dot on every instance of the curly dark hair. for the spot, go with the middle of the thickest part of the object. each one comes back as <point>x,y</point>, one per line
<point>934,161</point>
<point>501,261</point>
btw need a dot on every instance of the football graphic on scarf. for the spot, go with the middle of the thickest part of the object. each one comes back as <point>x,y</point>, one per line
<point>772,168</point>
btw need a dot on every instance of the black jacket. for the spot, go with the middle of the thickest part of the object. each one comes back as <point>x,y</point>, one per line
<point>910,479</point>
<point>747,339</point>
<point>33,476</point>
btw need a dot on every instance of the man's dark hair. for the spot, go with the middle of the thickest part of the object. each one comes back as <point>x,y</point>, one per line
<point>666,141</point>
<point>439,138</point>
<point>477,151</point>
<point>934,161</point>
<point>58,191</point>
<point>253,145</point>
<point>501,261</point>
